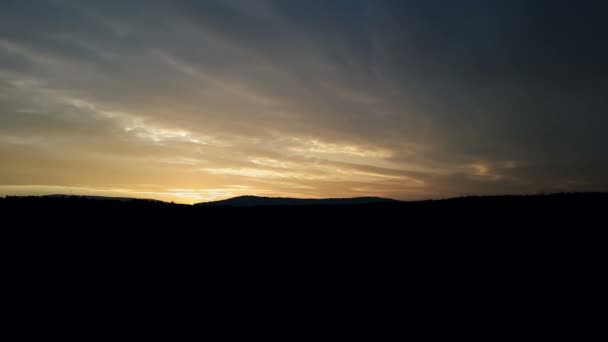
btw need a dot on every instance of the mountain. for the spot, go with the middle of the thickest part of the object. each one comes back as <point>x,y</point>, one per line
<point>256,201</point>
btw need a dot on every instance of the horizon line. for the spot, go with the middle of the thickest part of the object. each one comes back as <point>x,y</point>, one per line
<point>313,199</point>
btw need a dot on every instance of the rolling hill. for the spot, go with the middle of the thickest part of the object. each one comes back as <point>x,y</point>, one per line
<point>256,201</point>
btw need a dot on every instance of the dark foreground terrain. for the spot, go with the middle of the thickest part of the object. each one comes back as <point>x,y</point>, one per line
<point>508,227</point>
<point>507,253</point>
<point>575,210</point>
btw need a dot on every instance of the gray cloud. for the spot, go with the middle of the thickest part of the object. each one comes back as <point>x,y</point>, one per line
<point>354,96</point>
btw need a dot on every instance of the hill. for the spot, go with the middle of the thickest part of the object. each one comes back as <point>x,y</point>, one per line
<point>257,201</point>
<point>512,213</point>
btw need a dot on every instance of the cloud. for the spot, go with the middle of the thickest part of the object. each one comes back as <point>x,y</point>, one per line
<point>410,99</point>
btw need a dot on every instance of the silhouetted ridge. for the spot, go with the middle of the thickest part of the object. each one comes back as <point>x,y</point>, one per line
<point>256,201</point>
<point>575,210</point>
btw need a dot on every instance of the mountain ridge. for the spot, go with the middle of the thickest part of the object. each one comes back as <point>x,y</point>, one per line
<point>255,201</point>
<point>250,200</point>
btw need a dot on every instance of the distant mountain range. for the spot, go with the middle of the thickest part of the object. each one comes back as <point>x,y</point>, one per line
<point>241,201</point>
<point>574,199</point>
<point>256,201</point>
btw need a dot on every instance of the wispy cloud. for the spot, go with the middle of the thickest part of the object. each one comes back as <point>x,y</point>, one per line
<point>408,99</point>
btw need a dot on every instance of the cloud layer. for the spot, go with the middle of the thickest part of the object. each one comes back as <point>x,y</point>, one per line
<point>194,100</point>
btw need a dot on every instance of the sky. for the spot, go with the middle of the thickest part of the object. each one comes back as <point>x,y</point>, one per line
<point>198,100</point>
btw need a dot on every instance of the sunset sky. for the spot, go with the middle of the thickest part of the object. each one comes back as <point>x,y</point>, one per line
<point>190,101</point>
